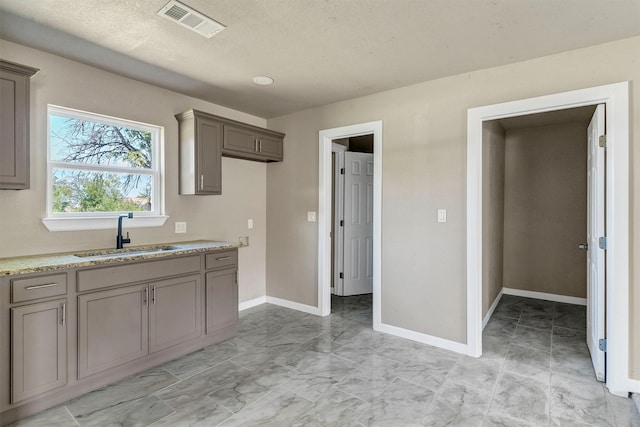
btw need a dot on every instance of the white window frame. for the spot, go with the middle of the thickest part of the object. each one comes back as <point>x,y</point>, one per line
<point>68,221</point>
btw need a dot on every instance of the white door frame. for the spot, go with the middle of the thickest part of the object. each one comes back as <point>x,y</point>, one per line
<point>326,138</point>
<point>338,202</point>
<point>616,98</point>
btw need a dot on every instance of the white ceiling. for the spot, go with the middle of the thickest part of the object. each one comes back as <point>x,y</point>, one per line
<point>318,52</point>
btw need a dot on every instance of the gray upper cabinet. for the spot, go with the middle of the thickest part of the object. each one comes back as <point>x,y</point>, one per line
<point>14,125</point>
<point>200,153</point>
<point>251,143</point>
<point>205,138</point>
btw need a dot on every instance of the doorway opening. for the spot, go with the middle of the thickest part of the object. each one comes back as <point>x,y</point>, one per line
<point>364,208</point>
<point>539,206</point>
<point>615,99</point>
<point>352,216</point>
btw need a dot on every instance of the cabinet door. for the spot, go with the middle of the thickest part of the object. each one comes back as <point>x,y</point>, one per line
<point>38,349</point>
<point>174,313</point>
<point>209,152</point>
<point>222,299</point>
<point>112,328</point>
<point>239,141</point>
<point>270,147</point>
<point>14,131</point>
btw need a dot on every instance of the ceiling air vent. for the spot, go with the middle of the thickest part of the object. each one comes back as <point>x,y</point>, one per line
<point>195,21</point>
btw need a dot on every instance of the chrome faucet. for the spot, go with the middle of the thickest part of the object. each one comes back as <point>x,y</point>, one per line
<point>119,239</point>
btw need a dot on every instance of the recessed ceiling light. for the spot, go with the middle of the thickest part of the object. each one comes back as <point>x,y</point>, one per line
<point>263,80</point>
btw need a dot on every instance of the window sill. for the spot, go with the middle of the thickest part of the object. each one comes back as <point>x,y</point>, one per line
<point>101,223</point>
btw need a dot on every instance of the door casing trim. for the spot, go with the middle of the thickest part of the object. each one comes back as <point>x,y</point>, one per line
<point>616,98</point>
<point>326,138</point>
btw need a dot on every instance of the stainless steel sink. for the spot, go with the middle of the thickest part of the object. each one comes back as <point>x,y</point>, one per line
<point>125,251</point>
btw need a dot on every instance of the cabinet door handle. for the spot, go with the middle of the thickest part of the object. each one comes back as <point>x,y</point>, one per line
<point>64,313</point>
<point>146,294</point>
<point>201,181</point>
<point>255,144</point>
<point>259,146</point>
<point>48,285</point>
<point>153,296</point>
<point>224,258</point>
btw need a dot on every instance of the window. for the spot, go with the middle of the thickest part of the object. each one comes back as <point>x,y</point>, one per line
<point>99,167</point>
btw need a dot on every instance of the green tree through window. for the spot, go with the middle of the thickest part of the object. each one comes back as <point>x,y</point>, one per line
<point>100,165</point>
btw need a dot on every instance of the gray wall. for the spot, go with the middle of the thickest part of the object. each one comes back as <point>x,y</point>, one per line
<point>424,168</point>
<point>71,84</point>
<point>493,159</point>
<point>545,205</point>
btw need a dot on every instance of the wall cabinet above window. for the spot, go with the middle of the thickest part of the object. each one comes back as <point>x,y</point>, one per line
<point>205,138</point>
<point>14,125</point>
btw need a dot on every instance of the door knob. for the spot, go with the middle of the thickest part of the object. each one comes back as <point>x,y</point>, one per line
<point>583,246</point>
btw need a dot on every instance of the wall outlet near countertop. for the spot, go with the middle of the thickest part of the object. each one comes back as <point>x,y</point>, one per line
<point>311,216</point>
<point>244,241</point>
<point>181,227</point>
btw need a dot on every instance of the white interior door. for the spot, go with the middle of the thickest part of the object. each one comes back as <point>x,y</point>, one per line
<point>595,230</point>
<point>337,231</point>
<point>358,224</point>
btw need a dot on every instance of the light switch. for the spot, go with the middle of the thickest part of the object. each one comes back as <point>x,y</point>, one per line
<point>250,223</point>
<point>311,216</point>
<point>442,215</point>
<point>181,227</point>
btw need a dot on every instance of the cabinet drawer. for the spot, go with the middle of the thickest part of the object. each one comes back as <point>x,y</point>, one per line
<point>136,272</point>
<point>38,287</point>
<point>221,259</point>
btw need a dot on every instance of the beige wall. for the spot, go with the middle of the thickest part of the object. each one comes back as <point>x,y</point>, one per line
<point>424,168</point>
<point>545,205</point>
<point>71,84</point>
<point>493,179</point>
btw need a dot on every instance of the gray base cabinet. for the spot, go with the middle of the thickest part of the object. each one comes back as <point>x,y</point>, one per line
<point>174,312</point>
<point>38,349</point>
<point>14,125</point>
<point>112,328</point>
<point>222,285</point>
<point>71,331</point>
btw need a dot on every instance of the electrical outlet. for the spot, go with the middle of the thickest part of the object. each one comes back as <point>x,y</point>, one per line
<point>244,240</point>
<point>250,224</point>
<point>311,216</point>
<point>442,215</point>
<point>181,227</point>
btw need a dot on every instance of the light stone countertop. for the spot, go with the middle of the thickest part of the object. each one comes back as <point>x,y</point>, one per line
<point>57,261</point>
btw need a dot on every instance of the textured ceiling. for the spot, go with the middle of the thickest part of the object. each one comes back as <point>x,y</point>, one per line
<point>318,52</point>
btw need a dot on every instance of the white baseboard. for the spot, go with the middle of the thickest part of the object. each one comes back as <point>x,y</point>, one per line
<point>492,309</point>
<point>244,305</point>
<point>422,338</point>
<point>634,387</point>
<point>544,296</point>
<point>294,305</point>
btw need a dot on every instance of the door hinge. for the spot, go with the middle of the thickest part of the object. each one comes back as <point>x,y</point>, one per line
<point>602,344</point>
<point>341,223</point>
<point>602,141</point>
<point>341,276</point>
<point>342,171</point>
<point>602,243</point>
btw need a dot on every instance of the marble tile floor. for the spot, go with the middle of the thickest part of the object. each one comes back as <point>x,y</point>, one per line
<point>287,368</point>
